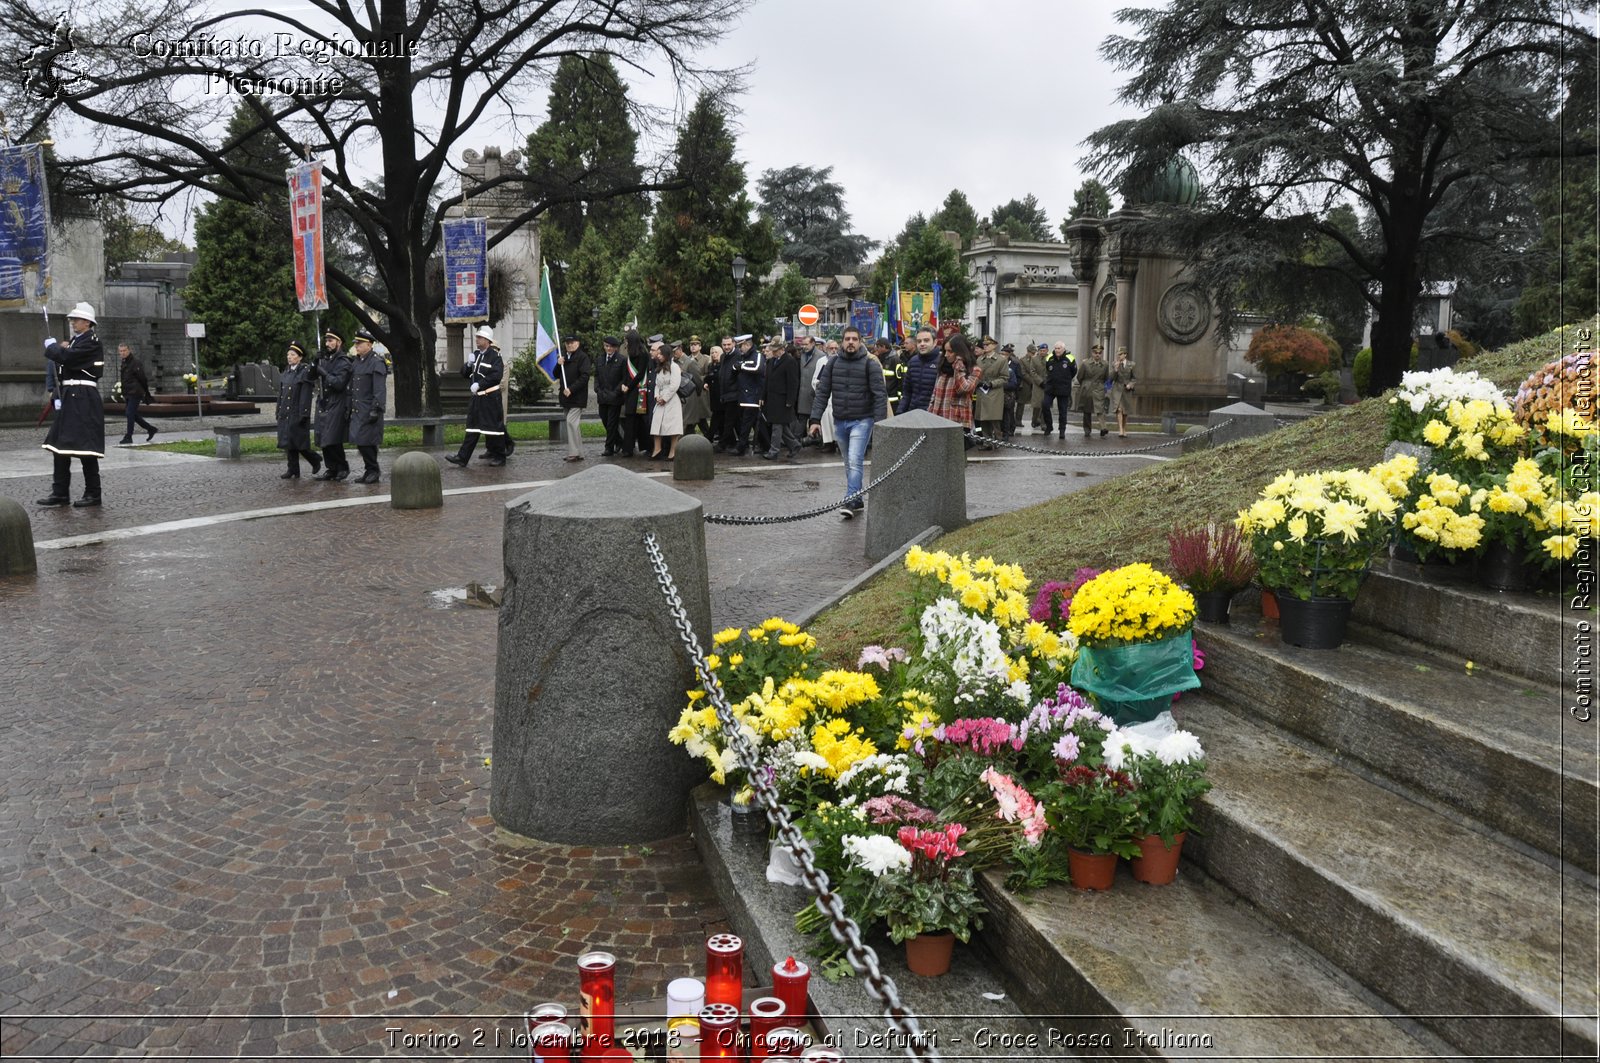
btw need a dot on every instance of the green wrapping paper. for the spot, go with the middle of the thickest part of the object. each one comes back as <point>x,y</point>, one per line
<point>1134,683</point>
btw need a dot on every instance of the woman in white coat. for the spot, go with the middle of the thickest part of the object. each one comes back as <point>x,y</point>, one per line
<point>827,412</point>
<point>666,419</point>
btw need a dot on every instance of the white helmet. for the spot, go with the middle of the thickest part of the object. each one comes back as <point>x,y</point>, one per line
<point>486,332</point>
<point>82,311</point>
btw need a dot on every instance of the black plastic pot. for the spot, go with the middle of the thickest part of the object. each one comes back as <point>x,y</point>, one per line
<point>1212,606</point>
<point>1314,623</point>
<point>1500,568</point>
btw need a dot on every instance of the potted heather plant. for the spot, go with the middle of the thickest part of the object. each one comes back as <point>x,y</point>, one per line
<point>1215,562</point>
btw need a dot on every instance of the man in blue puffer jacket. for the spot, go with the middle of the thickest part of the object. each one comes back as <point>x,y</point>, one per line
<point>922,372</point>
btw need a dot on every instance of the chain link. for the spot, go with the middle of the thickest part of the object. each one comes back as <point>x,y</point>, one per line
<point>844,929</point>
<point>1179,441</point>
<point>733,518</point>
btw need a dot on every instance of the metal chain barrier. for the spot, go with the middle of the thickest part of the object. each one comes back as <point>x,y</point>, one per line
<point>733,518</point>
<point>983,440</point>
<point>844,929</point>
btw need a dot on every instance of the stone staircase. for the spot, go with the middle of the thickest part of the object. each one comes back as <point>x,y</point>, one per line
<point>1397,859</point>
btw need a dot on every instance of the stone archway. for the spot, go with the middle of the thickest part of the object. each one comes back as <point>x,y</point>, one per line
<point>1105,321</point>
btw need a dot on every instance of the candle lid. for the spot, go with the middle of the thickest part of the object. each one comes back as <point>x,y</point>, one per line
<point>724,943</point>
<point>718,1015</point>
<point>596,960</point>
<point>790,967</point>
<point>766,1007</point>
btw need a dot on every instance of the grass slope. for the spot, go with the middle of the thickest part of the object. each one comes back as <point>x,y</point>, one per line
<point>1127,519</point>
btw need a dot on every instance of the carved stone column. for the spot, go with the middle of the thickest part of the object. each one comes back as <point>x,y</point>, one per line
<point>1083,237</point>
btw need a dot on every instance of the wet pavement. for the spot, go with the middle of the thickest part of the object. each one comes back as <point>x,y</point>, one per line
<point>243,796</point>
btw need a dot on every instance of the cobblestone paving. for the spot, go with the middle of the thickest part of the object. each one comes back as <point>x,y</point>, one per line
<point>243,797</point>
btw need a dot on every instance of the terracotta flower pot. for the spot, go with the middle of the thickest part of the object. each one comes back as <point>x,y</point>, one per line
<point>1156,863</point>
<point>1269,604</point>
<point>1091,871</point>
<point>929,954</point>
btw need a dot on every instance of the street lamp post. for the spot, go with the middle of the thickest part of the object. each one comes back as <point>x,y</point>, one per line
<point>987,274</point>
<point>738,293</point>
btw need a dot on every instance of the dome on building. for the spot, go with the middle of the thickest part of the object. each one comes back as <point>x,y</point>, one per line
<point>1175,184</point>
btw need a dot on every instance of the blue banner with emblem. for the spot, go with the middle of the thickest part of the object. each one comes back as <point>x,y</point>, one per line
<point>864,318</point>
<point>24,227</point>
<point>466,269</point>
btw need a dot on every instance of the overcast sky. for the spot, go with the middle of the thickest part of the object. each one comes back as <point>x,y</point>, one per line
<point>906,99</point>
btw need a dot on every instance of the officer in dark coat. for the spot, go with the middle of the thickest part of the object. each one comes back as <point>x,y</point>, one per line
<point>750,381</point>
<point>609,375</point>
<point>780,402</point>
<point>727,372</point>
<point>369,375</point>
<point>486,417</point>
<point>333,406</point>
<point>79,429</point>
<point>573,370</point>
<point>295,389</point>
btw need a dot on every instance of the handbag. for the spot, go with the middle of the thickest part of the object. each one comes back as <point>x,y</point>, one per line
<point>688,386</point>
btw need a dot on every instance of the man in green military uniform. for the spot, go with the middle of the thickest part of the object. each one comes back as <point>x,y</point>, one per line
<point>989,401</point>
<point>1033,370</point>
<point>1091,382</point>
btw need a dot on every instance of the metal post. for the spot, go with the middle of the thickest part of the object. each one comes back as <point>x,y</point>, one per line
<point>738,308</point>
<point>199,387</point>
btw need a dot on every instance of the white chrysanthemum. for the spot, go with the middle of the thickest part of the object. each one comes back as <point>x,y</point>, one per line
<point>1020,692</point>
<point>876,854</point>
<point>1123,748</point>
<point>1179,747</point>
<point>805,758</point>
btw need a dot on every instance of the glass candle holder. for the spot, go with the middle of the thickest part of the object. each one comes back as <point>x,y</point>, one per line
<point>683,1041</point>
<point>597,985</point>
<point>725,970</point>
<point>790,980</point>
<point>766,1014</point>
<point>719,1031</point>
<point>551,1041</point>
<point>539,1014</point>
<point>786,1042</point>
<point>685,998</point>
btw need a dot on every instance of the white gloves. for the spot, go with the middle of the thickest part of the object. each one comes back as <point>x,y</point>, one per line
<point>58,404</point>
<point>474,387</point>
<point>49,342</point>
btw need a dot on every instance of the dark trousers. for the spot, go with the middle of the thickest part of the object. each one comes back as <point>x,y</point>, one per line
<point>495,444</point>
<point>61,479</point>
<point>635,432</point>
<point>611,419</point>
<point>1008,427</point>
<point>369,458</point>
<point>294,460</point>
<point>134,418</point>
<point>715,434</point>
<point>731,415</point>
<point>1063,407</point>
<point>749,418</point>
<point>333,454</point>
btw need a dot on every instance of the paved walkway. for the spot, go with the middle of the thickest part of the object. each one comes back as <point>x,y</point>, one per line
<point>243,797</point>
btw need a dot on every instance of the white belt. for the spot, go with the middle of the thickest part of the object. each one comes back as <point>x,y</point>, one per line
<point>82,383</point>
<point>490,391</point>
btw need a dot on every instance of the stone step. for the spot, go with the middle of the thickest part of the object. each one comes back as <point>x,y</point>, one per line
<point>1526,634</point>
<point>1441,921</point>
<point>1496,748</point>
<point>1186,971</point>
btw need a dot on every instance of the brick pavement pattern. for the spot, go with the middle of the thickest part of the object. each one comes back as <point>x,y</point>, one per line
<point>243,799</point>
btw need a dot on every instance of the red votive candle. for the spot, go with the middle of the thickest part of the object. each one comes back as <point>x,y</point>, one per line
<point>789,982</point>
<point>766,1014</point>
<point>725,970</point>
<point>551,1041</point>
<point>597,985</point>
<point>719,1031</point>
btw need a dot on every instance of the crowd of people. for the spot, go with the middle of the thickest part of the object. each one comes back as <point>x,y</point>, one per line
<point>773,397</point>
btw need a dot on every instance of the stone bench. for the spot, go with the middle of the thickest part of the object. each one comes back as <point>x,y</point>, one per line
<point>228,436</point>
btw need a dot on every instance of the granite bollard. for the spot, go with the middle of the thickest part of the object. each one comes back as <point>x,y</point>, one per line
<point>930,488</point>
<point>591,671</point>
<point>17,557</point>
<point>1247,421</point>
<point>694,460</point>
<point>414,482</point>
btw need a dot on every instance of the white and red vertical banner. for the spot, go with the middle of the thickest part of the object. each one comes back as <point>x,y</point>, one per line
<point>305,216</point>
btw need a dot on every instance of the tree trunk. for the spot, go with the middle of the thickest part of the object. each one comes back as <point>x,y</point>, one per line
<point>1397,301</point>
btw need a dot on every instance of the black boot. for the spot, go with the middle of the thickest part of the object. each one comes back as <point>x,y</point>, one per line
<point>86,501</point>
<point>54,500</point>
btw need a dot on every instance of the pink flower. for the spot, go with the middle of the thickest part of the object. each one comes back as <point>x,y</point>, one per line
<point>984,734</point>
<point>892,808</point>
<point>1016,805</point>
<point>880,656</point>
